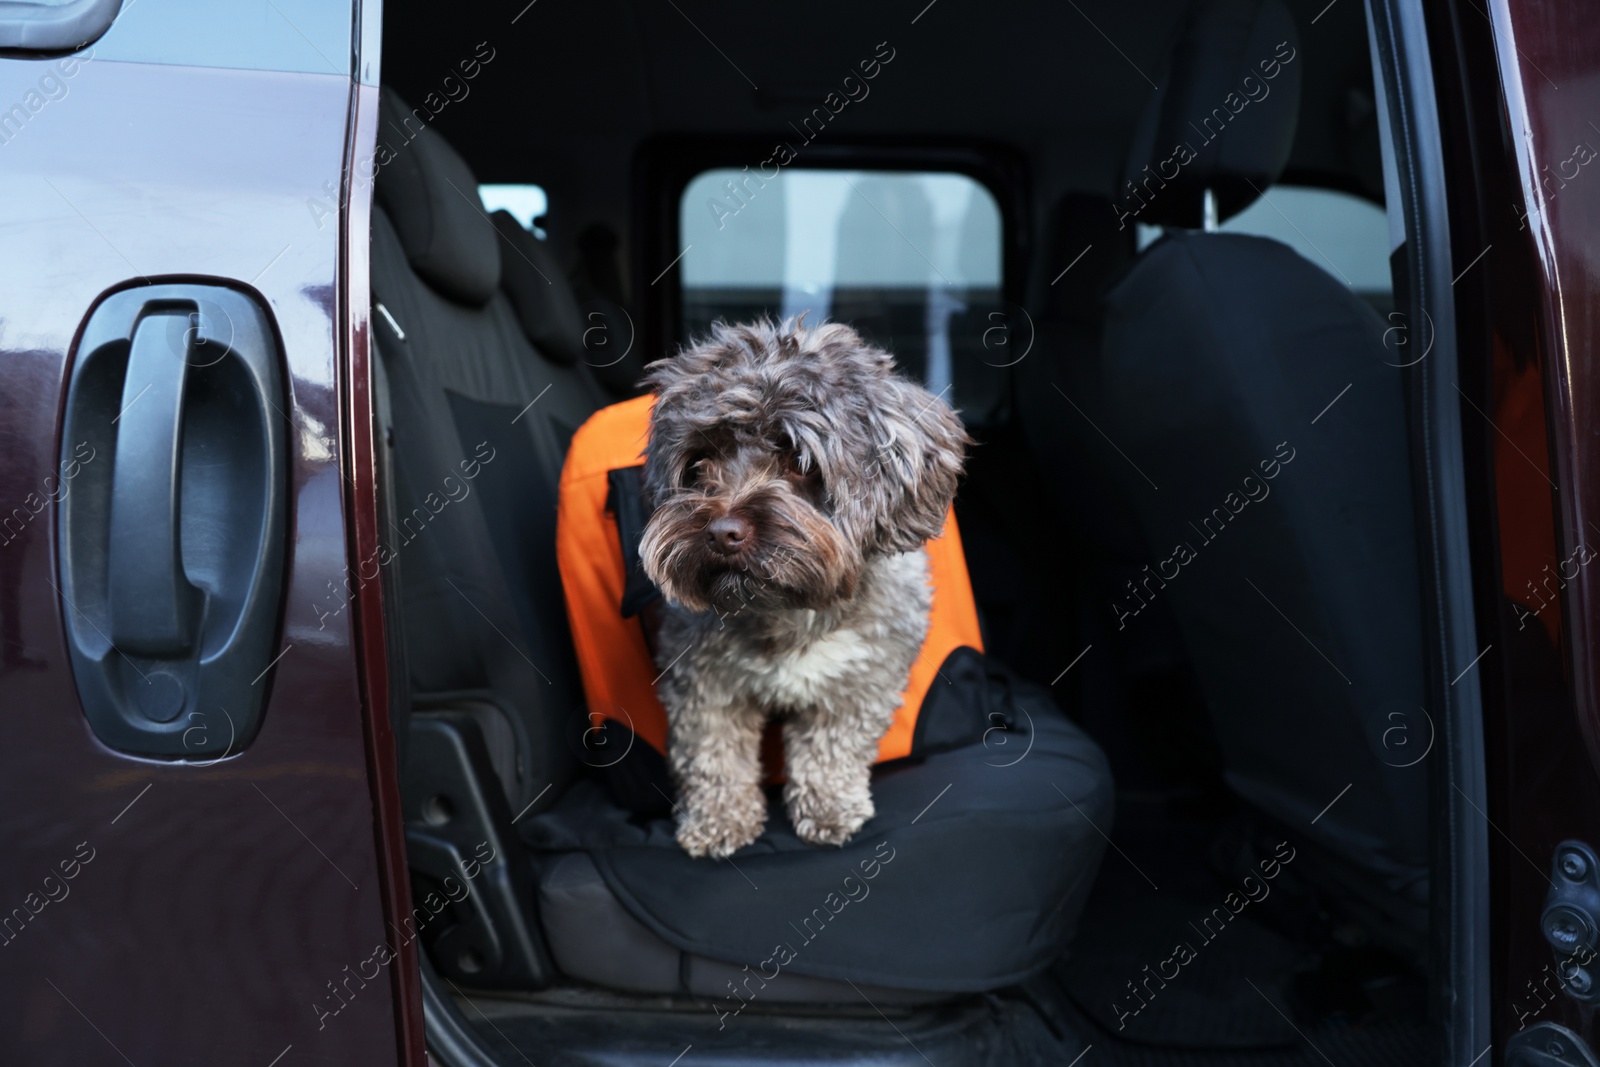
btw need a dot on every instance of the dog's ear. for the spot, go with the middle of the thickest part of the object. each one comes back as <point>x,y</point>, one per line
<point>916,449</point>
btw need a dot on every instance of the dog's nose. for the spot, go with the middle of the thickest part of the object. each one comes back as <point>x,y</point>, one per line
<point>728,535</point>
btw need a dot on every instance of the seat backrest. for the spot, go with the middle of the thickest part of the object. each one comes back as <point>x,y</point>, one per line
<point>481,344</point>
<point>1251,389</point>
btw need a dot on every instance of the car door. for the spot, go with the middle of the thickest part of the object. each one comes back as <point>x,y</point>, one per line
<point>1535,216</point>
<point>202,862</point>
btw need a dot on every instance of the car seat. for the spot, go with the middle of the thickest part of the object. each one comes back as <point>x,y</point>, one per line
<point>1254,393</point>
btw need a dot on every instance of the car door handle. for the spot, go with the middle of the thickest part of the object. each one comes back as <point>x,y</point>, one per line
<point>154,606</point>
<point>172,553</point>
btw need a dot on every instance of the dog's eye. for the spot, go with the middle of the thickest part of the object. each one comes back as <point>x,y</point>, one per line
<point>694,468</point>
<point>790,458</point>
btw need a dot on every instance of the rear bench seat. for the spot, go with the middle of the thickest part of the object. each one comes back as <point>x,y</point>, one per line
<point>980,857</point>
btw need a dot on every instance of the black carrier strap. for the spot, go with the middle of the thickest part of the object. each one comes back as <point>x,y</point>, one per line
<point>638,780</point>
<point>627,504</point>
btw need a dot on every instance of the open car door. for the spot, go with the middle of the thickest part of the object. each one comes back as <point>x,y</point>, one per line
<point>202,862</point>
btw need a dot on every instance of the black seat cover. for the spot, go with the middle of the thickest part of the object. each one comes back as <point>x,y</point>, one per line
<point>472,395</point>
<point>1229,357</point>
<point>1005,834</point>
<point>970,876</point>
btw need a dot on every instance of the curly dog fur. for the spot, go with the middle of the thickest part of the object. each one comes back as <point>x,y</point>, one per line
<point>795,478</point>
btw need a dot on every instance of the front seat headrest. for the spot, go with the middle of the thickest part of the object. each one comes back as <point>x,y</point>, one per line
<point>431,197</point>
<point>1224,118</point>
<point>540,292</point>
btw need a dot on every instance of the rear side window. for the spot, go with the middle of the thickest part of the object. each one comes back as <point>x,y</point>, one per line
<point>912,259</point>
<point>1345,235</point>
<point>526,203</point>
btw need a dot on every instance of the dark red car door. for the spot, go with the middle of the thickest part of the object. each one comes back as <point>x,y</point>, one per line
<point>197,806</point>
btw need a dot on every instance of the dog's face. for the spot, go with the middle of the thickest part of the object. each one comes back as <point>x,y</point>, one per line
<point>781,459</point>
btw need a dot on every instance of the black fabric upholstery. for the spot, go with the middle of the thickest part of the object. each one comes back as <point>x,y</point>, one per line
<point>481,598</point>
<point>1132,689</point>
<point>984,857</point>
<point>1301,604</point>
<point>431,198</point>
<point>1231,101</point>
<point>972,703</point>
<point>539,292</point>
<point>598,941</point>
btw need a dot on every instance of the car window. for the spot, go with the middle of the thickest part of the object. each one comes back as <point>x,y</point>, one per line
<point>526,203</point>
<point>1345,235</point>
<point>912,259</point>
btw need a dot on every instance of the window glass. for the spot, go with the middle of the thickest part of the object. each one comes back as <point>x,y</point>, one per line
<point>526,203</point>
<point>911,259</point>
<point>1345,235</point>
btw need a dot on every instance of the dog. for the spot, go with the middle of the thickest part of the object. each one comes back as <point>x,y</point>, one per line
<point>795,477</point>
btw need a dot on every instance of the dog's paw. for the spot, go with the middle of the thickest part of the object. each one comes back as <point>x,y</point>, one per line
<point>716,831</point>
<point>829,820</point>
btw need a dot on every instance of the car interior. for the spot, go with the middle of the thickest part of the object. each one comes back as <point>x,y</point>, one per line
<point>1143,250</point>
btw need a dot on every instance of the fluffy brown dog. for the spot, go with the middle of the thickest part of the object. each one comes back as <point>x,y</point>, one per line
<point>795,478</point>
